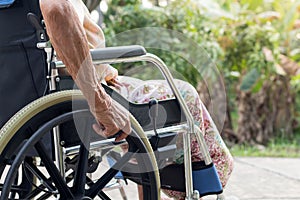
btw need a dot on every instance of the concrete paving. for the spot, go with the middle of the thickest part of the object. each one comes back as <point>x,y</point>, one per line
<point>264,178</point>
<point>256,179</point>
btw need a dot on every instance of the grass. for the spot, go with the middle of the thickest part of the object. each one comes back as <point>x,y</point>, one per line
<point>269,151</point>
<point>279,147</point>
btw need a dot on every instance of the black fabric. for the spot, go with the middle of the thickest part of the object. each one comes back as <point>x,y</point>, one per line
<point>118,52</point>
<point>172,177</point>
<point>22,65</point>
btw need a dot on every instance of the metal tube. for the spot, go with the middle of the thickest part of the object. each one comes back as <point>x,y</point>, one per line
<point>188,165</point>
<point>176,128</point>
<point>203,146</point>
<point>102,144</point>
<point>59,152</point>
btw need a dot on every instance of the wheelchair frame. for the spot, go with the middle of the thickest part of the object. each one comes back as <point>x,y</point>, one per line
<point>100,56</point>
<point>189,127</point>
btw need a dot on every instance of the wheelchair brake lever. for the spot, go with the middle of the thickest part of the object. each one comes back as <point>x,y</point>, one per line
<point>40,31</point>
<point>153,113</point>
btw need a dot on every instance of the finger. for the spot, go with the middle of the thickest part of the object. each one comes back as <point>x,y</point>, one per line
<point>110,82</point>
<point>117,86</point>
<point>121,137</point>
<point>98,129</point>
<point>115,83</point>
<point>102,132</point>
<point>125,132</point>
<point>118,82</point>
<point>127,128</point>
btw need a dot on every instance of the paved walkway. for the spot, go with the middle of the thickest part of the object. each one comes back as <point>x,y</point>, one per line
<point>256,179</point>
<point>264,178</point>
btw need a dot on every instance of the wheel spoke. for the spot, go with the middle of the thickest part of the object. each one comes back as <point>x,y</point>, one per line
<point>80,174</point>
<point>46,183</point>
<point>103,196</point>
<point>35,171</point>
<point>13,194</point>
<point>102,182</point>
<point>55,175</point>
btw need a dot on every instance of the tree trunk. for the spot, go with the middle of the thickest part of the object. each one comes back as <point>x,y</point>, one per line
<point>267,113</point>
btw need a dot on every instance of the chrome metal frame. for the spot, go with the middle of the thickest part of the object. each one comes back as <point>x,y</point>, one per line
<point>102,144</point>
<point>189,127</point>
<point>59,152</point>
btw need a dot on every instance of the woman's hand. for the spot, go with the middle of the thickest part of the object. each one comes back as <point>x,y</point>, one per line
<point>111,124</point>
<point>109,74</point>
<point>115,119</point>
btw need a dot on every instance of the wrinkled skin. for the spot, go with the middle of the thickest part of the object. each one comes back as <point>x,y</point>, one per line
<point>72,33</point>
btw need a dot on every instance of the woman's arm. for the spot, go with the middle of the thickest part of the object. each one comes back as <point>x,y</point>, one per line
<point>96,39</point>
<point>70,42</point>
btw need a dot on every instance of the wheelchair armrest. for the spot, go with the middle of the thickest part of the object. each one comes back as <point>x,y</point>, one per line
<point>118,52</point>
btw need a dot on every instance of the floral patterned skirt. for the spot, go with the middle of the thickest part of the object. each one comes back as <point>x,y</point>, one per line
<point>139,91</point>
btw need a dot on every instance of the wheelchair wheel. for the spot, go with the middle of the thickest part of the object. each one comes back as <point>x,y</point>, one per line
<point>27,152</point>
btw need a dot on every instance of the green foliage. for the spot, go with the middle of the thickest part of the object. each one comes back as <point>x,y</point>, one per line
<point>183,17</point>
<point>296,83</point>
<point>245,53</point>
<point>116,3</point>
<point>249,79</point>
<point>252,4</point>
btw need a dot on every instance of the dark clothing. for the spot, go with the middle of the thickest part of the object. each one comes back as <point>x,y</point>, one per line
<point>22,65</point>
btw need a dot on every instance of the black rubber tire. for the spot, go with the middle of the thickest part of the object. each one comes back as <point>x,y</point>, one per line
<point>26,131</point>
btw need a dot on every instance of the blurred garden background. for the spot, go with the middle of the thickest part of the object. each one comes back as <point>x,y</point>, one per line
<point>255,45</point>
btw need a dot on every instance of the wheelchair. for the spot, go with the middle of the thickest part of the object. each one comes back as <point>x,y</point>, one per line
<point>50,151</point>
